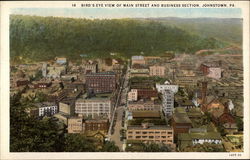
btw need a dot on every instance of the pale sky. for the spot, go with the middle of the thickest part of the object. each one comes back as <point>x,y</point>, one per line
<point>109,13</point>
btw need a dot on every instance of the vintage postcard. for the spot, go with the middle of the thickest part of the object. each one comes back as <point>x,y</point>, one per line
<point>125,80</point>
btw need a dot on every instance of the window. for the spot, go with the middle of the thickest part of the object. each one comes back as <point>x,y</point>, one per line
<point>137,132</point>
<point>151,137</point>
<point>130,132</point>
<point>144,132</point>
<point>138,137</point>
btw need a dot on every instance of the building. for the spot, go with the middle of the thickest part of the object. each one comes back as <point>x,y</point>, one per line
<point>147,93</point>
<point>191,139</point>
<point>22,82</point>
<point>104,82</point>
<point>162,87</point>
<point>138,60</point>
<point>67,108</point>
<point>94,107</point>
<point>148,132</point>
<point>139,72</point>
<point>167,102</point>
<point>132,95</point>
<point>211,70</point>
<point>61,60</point>
<point>44,70</point>
<point>157,71</point>
<point>180,121</point>
<point>146,115</point>
<point>144,105</point>
<point>47,108</point>
<point>96,125</point>
<point>55,71</point>
<point>42,84</point>
<point>75,125</point>
<point>90,67</point>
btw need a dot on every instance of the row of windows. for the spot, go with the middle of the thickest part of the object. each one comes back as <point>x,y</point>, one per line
<point>150,132</point>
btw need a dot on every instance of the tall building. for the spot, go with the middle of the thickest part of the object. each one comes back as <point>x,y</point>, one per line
<point>157,71</point>
<point>103,82</point>
<point>94,107</point>
<point>168,102</point>
<point>162,87</point>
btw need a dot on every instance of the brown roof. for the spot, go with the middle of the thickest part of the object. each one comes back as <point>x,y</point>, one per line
<point>141,114</point>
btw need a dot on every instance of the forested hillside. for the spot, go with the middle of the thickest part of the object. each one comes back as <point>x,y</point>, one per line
<point>224,29</point>
<point>43,38</point>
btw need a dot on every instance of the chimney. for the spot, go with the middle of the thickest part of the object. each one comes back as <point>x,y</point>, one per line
<point>204,92</point>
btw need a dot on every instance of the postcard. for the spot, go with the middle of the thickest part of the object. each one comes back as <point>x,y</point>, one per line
<point>125,80</point>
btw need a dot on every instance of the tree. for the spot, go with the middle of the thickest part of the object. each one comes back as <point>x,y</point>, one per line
<point>154,147</point>
<point>110,147</point>
<point>78,143</point>
<point>239,123</point>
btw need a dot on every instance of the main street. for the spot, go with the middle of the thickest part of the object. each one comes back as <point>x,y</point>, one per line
<point>119,113</point>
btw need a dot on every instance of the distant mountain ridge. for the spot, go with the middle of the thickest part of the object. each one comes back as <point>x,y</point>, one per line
<point>225,29</point>
<point>43,38</point>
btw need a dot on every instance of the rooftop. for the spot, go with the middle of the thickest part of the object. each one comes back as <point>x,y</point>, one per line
<point>181,118</point>
<point>142,114</point>
<point>191,136</point>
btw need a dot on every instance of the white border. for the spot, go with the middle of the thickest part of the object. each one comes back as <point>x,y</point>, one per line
<point>4,88</point>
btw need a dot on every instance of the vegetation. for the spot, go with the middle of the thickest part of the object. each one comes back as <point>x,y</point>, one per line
<point>239,123</point>
<point>28,134</point>
<point>225,29</point>
<point>205,147</point>
<point>44,38</point>
<point>138,146</point>
<point>154,121</point>
<point>156,79</point>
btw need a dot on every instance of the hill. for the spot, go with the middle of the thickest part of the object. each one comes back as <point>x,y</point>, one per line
<point>224,29</point>
<point>43,38</point>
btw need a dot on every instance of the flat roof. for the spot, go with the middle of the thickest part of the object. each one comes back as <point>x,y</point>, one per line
<point>153,114</point>
<point>155,127</point>
<point>190,136</point>
<point>181,118</point>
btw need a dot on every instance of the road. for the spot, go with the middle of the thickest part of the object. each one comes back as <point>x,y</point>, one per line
<point>118,126</point>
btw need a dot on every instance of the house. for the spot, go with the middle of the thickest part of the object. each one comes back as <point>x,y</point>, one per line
<point>147,93</point>
<point>215,107</point>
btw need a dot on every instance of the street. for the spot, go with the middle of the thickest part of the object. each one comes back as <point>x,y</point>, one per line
<point>118,126</point>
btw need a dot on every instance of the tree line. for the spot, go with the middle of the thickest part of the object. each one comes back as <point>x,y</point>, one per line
<point>44,38</point>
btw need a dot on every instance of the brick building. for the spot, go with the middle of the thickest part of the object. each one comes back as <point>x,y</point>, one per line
<point>96,125</point>
<point>103,82</point>
<point>146,93</point>
<point>181,122</point>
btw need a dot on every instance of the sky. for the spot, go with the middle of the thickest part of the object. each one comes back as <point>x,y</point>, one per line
<point>109,13</point>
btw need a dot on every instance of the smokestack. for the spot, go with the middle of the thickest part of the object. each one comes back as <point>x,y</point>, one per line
<point>204,92</point>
